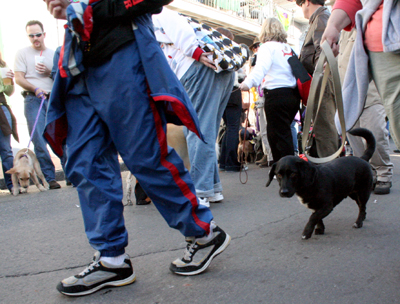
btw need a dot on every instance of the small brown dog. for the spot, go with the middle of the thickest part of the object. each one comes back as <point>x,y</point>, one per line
<point>26,166</point>
<point>245,147</point>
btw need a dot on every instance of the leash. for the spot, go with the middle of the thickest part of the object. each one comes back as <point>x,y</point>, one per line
<point>244,143</point>
<point>319,73</point>
<point>36,121</point>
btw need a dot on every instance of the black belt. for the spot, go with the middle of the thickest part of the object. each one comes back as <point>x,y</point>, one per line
<point>26,93</point>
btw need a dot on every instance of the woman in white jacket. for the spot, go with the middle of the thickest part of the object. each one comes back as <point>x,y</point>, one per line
<point>281,96</point>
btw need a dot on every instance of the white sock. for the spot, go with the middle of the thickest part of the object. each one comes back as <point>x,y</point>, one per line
<point>115,261</point>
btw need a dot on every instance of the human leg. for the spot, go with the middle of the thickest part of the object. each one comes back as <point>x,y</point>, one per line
<point>6,152</point>
<point>231,139</point>
<point>281,106</point>
<point>208,93</point>
<point>386,74</point>
<point>31,108</point>
<point>326,136</point>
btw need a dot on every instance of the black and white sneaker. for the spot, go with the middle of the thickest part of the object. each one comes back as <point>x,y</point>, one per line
<point>96,276</point>
<point>200,252</point>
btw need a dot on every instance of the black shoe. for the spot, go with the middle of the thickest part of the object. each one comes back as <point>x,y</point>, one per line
<point>382,187</point>
<point>396,151</point>
<point>96,276</point>
<point>200,252</point>
<point>54,185</point>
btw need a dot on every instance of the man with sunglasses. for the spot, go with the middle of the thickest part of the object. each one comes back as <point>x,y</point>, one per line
<point>36,82</point>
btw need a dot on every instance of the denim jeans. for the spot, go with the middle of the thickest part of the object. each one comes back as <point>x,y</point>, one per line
<point>6,151</point>
<point>31,109</point>
<point>209,93</point>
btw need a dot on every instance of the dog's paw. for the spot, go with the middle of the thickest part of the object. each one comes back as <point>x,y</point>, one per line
<point>23,190</point>
<point>319,231</point>
<point>41,188</point>
<point>305,237</point>
<point>357,225</point>
<point>15,191</point>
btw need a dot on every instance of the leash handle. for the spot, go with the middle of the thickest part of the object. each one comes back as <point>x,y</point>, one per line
<point>328,57</point>
<point>37,118</point>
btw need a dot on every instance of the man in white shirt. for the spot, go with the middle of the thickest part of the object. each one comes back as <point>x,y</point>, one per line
<point>33,66</point>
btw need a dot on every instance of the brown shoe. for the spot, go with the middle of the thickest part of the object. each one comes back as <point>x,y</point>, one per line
<point>262,160</point>
<point>267,163</point>
<point>54,185</point>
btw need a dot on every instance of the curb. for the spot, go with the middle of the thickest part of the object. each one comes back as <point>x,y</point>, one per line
<point>59,176</point>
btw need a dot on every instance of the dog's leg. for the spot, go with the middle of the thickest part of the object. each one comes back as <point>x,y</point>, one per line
<point>320,229</point>
<point>361,200</point>
<point>15,188</point>
<point>39,173</point>
<point>315,218</point>
<point>36,182</point>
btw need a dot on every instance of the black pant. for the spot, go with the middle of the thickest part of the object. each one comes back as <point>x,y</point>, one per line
<point>281,106</point>
<point>230,141</point>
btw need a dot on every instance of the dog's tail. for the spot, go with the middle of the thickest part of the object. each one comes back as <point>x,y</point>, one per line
<point>370,139</point>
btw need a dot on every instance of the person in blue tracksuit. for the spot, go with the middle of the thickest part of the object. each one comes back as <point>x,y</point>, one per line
<point>114,93</point>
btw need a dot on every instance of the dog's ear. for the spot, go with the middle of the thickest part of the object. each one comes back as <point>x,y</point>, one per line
<point>307,173</point>
<point>271,174</point>
<point>11,171</point>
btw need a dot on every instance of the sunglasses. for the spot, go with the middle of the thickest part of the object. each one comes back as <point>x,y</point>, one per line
<point>38,35</point>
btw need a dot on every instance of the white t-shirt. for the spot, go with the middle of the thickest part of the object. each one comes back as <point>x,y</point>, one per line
<point>272,64</point>
<point>25,62</point>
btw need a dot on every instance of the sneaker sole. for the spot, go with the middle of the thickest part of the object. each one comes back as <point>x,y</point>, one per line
<point>205,266</point>
<point>119,283</point>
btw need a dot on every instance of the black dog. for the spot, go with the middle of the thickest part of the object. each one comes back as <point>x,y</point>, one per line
<point>322,187</point>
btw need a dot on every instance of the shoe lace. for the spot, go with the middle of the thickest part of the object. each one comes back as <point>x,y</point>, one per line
<point>190,249</point>
<point>88,269</point>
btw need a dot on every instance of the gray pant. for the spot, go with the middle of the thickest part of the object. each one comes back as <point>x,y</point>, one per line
<point>373,118</point>
<point>386,74</point>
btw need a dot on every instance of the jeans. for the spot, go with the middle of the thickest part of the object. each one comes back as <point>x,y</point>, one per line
<point>31,109</point>
<point>6,151</point>
<point>209,93</point>
<point>294,135</point>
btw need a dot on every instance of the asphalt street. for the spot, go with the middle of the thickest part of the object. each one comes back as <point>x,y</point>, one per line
<point>43,241</point>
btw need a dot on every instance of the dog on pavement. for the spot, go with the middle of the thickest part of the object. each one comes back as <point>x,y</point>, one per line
<point>322,187</point>
<point>245,147</point>
<point>26,167</point>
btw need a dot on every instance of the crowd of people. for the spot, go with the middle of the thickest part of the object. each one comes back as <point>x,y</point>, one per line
<point>136,67</point>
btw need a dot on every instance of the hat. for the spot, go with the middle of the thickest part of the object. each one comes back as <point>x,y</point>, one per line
<point>254,45</point>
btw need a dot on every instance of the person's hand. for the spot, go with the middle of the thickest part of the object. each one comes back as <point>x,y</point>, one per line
<point>40,93</point>
<point>206,61</point>
<point>42,69</point>
<point>243,87</point>
<point>331,35</point>
<point>336,22</point>
<point>58,8</point>
<point>10,74</point>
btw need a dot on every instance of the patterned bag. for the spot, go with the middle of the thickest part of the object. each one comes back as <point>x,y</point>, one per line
<point>227,54</point>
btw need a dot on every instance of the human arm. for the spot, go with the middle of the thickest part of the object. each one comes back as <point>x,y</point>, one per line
<point>105,10</point>
<point>9,89</point>
<point>342,17</point>
<point>176,30</point>
<point>26,85</point>
<point>260,70</point>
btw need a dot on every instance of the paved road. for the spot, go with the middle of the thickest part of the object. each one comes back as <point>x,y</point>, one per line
<point>42,241</point>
